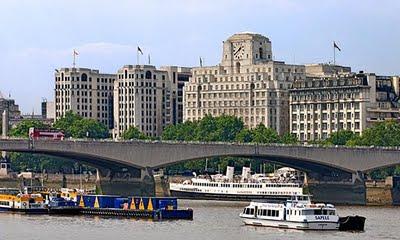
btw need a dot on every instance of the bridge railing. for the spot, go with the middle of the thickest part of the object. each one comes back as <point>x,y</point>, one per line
<point>303,145</point>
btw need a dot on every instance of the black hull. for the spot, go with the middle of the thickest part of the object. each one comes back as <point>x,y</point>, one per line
<point>65,211</point>
<point>31,211</point>
<point>352,223</point>
<point>224,197</point>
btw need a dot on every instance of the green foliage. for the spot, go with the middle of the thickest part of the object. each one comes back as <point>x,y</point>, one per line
<point>289,138</point>
<point>37,163</point>
<point>181,132</point>
<point>262,134</point>
<point>22,128</point>
<point>221,129</point>
<point>381,134</point>
<point>133,133</point>
<point>75,126</point>
<point>341,137</point>
<point>246,135</point>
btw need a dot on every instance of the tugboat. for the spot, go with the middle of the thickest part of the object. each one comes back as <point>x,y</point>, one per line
<point>299,213</point>
<point>23,203</point>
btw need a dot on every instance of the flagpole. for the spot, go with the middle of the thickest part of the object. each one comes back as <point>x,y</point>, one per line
<point>137,57</point>
<point>73,63</point>
<point>334,54</point>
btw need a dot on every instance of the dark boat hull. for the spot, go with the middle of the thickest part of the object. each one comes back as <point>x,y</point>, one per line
<point>65,210</point>
<point>185,214</point>
<point>352,223</point>
<point>31,210</point>
<point>224,197</point>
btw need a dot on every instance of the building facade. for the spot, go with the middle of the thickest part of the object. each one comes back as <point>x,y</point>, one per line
<point>326,70</point>
<point>321,106</point>
<point>148,98</point>
<point>247,83</point>
<point>86,92</point>
<point>48,110</point>
<point>12,109</point>
<point>9,105</point>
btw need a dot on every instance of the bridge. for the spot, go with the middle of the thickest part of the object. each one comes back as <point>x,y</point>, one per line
<point>138,158</point>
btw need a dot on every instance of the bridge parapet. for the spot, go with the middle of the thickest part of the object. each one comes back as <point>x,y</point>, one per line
<point>153,154</point>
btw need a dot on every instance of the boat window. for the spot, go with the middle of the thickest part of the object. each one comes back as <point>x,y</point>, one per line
<point>4,203</point>
<point>331,212</point>
<point>265,212</point>
<point>317,212</point>
<point>324,212</point>
<point>252,211</point>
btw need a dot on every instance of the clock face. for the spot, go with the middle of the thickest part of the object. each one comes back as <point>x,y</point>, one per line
<point>238,50</point>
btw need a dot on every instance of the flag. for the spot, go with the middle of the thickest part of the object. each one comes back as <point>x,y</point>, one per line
<point>75,52</point>
<point>139,50</point>
<point>201,62</point>
<point>336,46</point>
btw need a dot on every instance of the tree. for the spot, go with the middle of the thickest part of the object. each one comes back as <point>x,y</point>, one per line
<point>207,129</point>
<point>22,128</point>
<point>245,136</point>
<point>340,138</point>
<point>228,127</point>
<point>75,126</point>
<point>381,134</point>
<point>181,132</point>
<point>289,138</point>
<point>88,128</point>
<point>133,133</point>
<point>262,134</point>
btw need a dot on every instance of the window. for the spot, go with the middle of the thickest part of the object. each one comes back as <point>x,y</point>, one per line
<point>83,77</point>
<point>148,75</point>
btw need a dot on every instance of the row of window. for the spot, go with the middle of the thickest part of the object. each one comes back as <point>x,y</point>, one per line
<point>325,126</point>
<point>326,106</point>
<point>248,70</point>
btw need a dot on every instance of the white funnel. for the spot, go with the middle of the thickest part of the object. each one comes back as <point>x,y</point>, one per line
<point>229,173</point>
<point>246,173</point>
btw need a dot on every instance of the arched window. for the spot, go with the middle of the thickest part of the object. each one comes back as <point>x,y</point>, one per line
<point>126,74</point>
<point>84,77</point>
<point>148,75</point>
<point>238,67</point>
<point>260,51</point>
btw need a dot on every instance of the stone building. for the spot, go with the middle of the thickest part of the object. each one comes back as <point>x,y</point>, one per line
<point>11,107</point>
<point>247,83</point>
<point>325,70</point>
<point>86,92</point>
<point>148,98</point>
<point>48,109</point>
<point>320,106</point>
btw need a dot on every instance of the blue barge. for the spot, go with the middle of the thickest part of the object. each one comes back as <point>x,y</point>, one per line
<point>155,208</point>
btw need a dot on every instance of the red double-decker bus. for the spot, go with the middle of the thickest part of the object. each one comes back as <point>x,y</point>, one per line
<point>49,134</point>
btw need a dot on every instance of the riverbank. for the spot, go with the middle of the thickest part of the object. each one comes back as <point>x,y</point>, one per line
<point>382,193</point>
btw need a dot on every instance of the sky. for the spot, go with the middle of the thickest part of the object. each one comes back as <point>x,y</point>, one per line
<point>38,36</point>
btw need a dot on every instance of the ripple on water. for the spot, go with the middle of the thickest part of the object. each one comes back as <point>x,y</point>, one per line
<point>212,220</point>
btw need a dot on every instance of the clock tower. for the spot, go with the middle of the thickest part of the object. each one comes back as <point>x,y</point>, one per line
<point>243,49</point>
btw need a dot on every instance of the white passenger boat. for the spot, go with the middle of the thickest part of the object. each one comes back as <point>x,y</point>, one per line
<point>297,213</point>
<point>244,187</point>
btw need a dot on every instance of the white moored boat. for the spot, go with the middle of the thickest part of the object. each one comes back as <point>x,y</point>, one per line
<point>244,187</point>
<point>297,213</point>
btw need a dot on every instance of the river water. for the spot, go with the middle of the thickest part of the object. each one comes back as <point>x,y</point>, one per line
<point>212,220</point>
